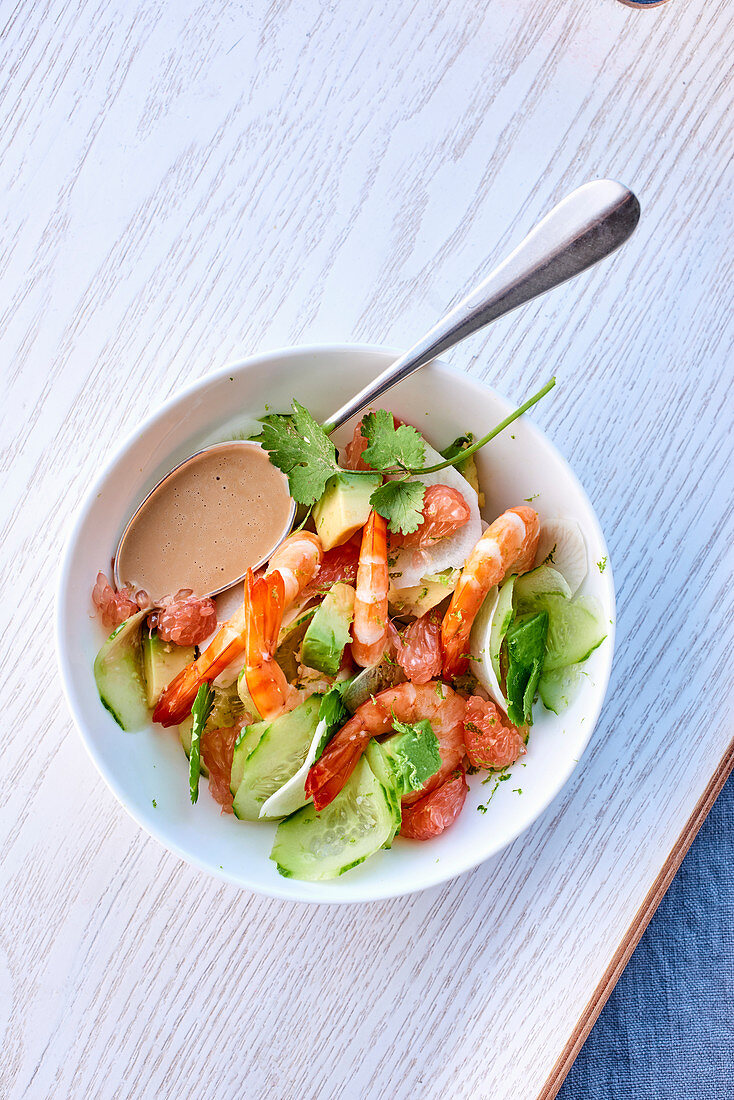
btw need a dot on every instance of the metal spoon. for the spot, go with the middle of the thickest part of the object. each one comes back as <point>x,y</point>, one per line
<point>588,225</point>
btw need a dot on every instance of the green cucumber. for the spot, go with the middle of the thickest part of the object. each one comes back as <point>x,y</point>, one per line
<point>319,846</point>
<point>384,774</point>
<point>277,756</point>
<point>543,581</point>
<point>558,689</point>
<point>575,629</point>
<point>246,743</point>
<point>118,672</point>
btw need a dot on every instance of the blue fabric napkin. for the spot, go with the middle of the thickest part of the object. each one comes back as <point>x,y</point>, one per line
<point>667,1031</point>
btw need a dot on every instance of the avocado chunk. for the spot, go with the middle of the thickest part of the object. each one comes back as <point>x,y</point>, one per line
<point>162,662</point>
<point>118,673</point>
<point>328,631</point>
<point>413,756</point>
<point>344,508</point>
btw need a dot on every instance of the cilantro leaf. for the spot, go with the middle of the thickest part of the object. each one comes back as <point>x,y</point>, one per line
<point>300,447</point>
<point>401,504</point>
<point>391,446</point>
<point>200,711</point>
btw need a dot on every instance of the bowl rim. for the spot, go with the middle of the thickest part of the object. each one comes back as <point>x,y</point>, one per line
<point>297,892</point>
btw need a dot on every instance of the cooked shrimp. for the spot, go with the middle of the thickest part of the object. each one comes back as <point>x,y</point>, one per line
<point>434,701</point>
<point>266,683</point>
<point>508,545</point>
<point>297,559</point>
<point>369,630</point>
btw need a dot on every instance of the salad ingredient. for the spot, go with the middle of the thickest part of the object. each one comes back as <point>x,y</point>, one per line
<point>391,444</point>
<point>413,755</point>
<point>525,654</point>
<point>200,712</point>
<point>300,447</point>
<point>220,512</point>
<point>369,630</point>
<point>400,503</point>
<point>419,649</point>
<point>185,619</point>
<point>410,564</point>
<point>291,795</point>
<point>344,508</point>
<point>491,740</point>
<point>539,582</point>
<point>118,672</point>
<point>437,810</point>
<point>575,629</point>
<point>563,546</point>
<point>479,647</point>
<point>277,756</point>
<point>161,662</point>
<point>114,607</point>
<point>267,687</point>
<point>407,703</point>
<point>339,564</point>
<point>184,736</point>
<point>467,467</point>
<point>371,681</point>
<point>217,751</point>
<point>297,559</point>
<point>444,511</point>
<point>316,846</point>
<point>384,774</point>
<point>247,741</point>
<point>558,688</point>
<point>327,634</point>
<point>416,600</point>
<point>290,641</point>
<point>508,544</point>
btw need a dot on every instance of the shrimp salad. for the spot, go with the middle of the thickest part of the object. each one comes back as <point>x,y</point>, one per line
<point>394,643</point>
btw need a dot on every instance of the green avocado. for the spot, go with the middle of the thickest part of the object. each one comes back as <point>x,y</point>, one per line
<point>328,631</point>
<point>344,507</point>
<point>413,756</point>
<point>162,662</point>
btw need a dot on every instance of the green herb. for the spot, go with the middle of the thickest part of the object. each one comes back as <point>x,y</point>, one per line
<point>517,790</point>
<point>155,804</point>
<point>529,500</point>
<point>455,449</point>
<point>390,446</point>
<point>200,711</point>
<point>526,639</point>
<point>300,447</point>
<point>601,566</point>
<point>481,809</point>
<point>401,504</point>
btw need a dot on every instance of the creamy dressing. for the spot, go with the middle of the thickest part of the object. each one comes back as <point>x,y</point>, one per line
<point>207,522</point>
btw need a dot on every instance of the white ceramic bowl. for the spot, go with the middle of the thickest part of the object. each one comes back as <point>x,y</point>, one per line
<point>150,766</point>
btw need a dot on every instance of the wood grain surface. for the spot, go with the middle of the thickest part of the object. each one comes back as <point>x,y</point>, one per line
<point>185,183</point>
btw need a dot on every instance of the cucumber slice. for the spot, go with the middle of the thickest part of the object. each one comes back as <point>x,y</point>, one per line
<point>562,545</point>
<point>543,581</point>
<point>292,795</point>
<point>559,688</point>
<point>575,629</point>
<point>118,672</point>
<point>319,846</point>
<point>384,774</point>
<point>246,743</point>
<point>278,755</point>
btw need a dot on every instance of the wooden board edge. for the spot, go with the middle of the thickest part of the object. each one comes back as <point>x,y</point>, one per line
<point>636,929</point>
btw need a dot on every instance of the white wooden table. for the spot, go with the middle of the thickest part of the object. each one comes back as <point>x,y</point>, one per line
<point>185,183</point>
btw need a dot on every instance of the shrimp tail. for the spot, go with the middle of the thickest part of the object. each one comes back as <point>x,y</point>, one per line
<point>266,681</point>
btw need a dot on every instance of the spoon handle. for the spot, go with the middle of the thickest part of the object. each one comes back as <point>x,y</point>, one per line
<point>586,226</point>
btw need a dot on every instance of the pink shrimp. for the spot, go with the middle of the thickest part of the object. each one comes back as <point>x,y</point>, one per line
<point>266,683</point>
<point>508,545</point>
<point>434,701</point>
<point>296,560</point>
<point>369,629</point>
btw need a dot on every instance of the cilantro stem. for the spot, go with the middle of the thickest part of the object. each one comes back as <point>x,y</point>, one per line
<point>468,451</point>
